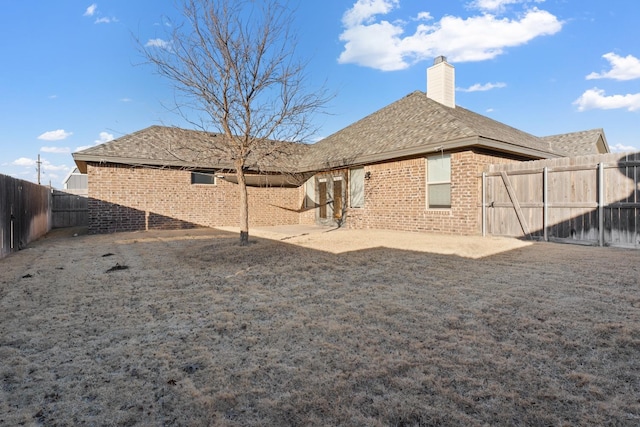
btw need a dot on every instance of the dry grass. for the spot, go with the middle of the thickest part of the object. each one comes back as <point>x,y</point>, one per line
<point>198,331</point>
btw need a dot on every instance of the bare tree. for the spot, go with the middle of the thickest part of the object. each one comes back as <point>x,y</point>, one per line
<point>234,62</point>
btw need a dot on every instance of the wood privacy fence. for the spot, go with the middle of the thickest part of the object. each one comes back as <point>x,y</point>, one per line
<point>25,213</point>
<point>587,200</point>
<point>69,209</point>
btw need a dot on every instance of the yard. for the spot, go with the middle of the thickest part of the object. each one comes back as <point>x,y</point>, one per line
<point>337,328</point>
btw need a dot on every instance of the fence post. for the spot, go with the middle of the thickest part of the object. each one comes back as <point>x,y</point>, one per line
<point>484,205</point>
<point>545,202</point>
<point>600,204</point>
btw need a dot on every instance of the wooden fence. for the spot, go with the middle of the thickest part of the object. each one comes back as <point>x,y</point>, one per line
<point>587,200</point>
<point>69,209</point>
<point>25,213</point>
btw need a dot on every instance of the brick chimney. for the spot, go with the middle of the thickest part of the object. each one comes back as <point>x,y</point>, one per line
<point>441,82</point>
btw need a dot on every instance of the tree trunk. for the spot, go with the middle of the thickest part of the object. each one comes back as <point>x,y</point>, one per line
<point>244,204</point>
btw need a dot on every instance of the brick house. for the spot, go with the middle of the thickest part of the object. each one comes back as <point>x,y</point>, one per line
<point>413,165</point>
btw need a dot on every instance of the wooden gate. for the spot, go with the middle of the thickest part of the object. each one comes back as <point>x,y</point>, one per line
<point>587,200</point>
<point>69,210</point>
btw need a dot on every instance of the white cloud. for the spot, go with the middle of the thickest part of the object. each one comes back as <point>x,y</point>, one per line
<point>621,148</point>
<point>45,165</point>
<point>91,10</point>
<point>104,137</point>
<point>380,44</point>
<point>50,167</point>
<point>596,99</point>
<point>126,100</point>
<point>622,68</point>
<point>364,10</point>
<point>55,135</point>
<point>56,150</point>
<point>24,161</point>
<point>482,87</point>
<point>162,44</point>
<point>497,5</point>
<point>105,20</point>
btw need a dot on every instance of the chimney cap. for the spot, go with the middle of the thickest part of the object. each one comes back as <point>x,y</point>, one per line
<point>439,59</point>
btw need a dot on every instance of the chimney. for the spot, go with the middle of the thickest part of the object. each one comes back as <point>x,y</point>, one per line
<point>441,84</point>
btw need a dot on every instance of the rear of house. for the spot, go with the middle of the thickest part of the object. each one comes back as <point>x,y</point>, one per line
<point>413,165</point>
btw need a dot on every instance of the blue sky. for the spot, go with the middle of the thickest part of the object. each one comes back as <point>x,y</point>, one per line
<point>71,75</point>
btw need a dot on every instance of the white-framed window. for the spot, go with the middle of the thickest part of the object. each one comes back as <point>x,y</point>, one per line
<point>439,181</point>
<point>203,178</point>
<point>356,188</point>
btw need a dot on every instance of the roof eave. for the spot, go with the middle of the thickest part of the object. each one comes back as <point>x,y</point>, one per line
<point>468,142</point>
<point>81,161</point>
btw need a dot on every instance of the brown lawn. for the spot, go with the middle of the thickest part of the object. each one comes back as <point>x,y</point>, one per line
<point>187,328</point>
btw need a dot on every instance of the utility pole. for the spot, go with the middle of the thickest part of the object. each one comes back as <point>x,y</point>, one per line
<point>38,169</point>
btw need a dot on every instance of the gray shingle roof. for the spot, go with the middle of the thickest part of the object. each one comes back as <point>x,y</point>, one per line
<point>413,125</point>
<point>578,143</point>
<point>171,146</point>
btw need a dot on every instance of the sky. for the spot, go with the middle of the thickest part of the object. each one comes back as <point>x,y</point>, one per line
<point>72,75</point>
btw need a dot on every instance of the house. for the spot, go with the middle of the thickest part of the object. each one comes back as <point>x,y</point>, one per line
<point>75,183</point>
<point>413,165</point>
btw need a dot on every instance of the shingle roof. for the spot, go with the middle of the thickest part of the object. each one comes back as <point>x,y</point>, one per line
<point>416,122</point>
<point>410,126</point>
<point>578,143</point>
<point>171,146</point>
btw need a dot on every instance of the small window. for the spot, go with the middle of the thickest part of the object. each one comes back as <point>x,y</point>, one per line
<point>203,178</point>
<point>439,181</point>
<point>356,188</point>
<point>310,193</point>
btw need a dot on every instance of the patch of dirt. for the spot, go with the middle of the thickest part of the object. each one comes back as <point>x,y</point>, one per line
<point>342,327</point>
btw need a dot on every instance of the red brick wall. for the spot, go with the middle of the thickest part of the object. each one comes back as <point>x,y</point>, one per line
<point>123,198</point>
<point>395,196</point>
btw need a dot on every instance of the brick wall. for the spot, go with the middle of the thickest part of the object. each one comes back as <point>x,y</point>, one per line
<point>395,196</point>
<point>123,198</point>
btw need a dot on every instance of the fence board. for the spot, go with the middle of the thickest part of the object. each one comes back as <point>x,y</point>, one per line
<point>69,210</point>
<point>514,194</point>
<point>25,213</point>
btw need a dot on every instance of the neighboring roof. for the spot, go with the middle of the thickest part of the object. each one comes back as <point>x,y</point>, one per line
<point>171,146</point>
<point>413,125</point>
<point>579,143</point>
<point>75,171</point>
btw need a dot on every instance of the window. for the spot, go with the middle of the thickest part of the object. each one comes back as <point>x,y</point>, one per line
<point>322,197</point>
<point>356,188</point>
<point>203,178</point>
<point>337,197</point>
<point>310,193</point>
<point>439,181</point>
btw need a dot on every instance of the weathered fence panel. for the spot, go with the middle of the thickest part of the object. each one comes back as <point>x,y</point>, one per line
<point>587,200</point>
<point>69,210</point>
<point>25,213</point>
